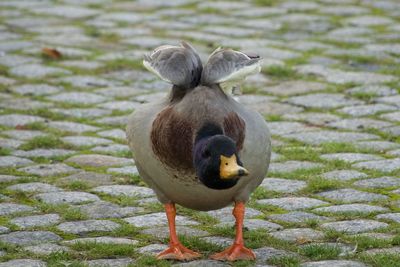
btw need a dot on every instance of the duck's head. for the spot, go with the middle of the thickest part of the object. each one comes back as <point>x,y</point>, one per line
<point>216,160</point>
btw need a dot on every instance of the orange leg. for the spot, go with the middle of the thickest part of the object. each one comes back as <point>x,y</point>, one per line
<point>237,251</point>
<point>175,251</point>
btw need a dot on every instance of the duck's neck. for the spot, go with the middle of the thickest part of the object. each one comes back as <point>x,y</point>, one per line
<point>202,137</point>
<point>177,93</point>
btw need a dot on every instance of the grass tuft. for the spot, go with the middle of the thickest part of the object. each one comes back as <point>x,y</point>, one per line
<point>320,251</point>
<point>47,141</point>
<point>318,184</point>
<point>380,260</point>
<point>286,261</point>
<point>147,260</point>
<point>281,72</point>
<point>95,250</point>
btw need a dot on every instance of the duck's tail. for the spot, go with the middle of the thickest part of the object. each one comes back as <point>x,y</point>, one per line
<point>179,65</point>
<point>229,68</point>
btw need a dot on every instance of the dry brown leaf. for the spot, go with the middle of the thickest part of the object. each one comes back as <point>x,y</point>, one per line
<point>302,240</point>
<point>51,53</point>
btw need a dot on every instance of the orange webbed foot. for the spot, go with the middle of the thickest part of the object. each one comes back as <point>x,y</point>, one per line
<point>234,253</point>
<point>178,252</point>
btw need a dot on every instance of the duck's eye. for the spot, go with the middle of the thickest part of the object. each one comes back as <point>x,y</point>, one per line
<point>226,163</point>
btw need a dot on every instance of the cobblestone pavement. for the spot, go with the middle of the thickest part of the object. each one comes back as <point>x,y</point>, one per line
<point>70,194</point>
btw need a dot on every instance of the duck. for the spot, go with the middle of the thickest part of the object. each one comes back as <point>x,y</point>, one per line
<point>198,147</point>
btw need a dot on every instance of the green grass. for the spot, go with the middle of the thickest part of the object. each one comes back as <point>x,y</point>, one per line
<point>261,193</point>
<point>320,251</point>
<point>273,117</point>
<point>367,97</point>
<point>77,186</point>
<point>58,259</point>
<point>46,113</point>
<point>285,261</point>
<point>333,147</point>
<point>302,153</point>
<point>199,245</point>
<point>94,250</point>
<point>147,260</point>
<point>34,126</point>
<point>265,2</point>
<point>281,72</point>
<point>318,184</point>
<point>120,64</point>
<point>382,260</point>
<point>4,151</point>
<point>333,235</point>
<point>125,230</point>
<point>312,223</point>
<point>365,242</point>
<point>48,141</point>
<point>68,213</point>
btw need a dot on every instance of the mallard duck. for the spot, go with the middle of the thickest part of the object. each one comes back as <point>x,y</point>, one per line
<point>198,147</point>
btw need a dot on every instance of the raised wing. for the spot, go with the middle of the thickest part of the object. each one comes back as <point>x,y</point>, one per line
<point>229,66</point>
<point>179,65</point>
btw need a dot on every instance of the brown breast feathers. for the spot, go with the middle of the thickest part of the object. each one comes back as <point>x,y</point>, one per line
<point>172,137</point>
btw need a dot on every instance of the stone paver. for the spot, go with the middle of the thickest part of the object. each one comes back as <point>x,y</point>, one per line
<point>49,169</point>
<point>23,263</point>
<point>156,219</point>
<point>328,87</point>
<point>11,208</point>
<point>13,120</point>
<point>67,197</point>
<point>293,203</point>
<point>102,209</point>
<point>11,161</point>
<point>299,235</point>
<point>36,220</point>
<point>95,160</point>
<point>324,101</point>
<point>386,165</point>
<point>36,71</point>
<point>351,157</point>
<point>351,208</point>
<point>290,166</point>
<point>336,263</point>
<point>85,140</point>
<point>162,231</point>
<point>355,226</point>
<point>46,249</point>
<point>390,217</point>
<point>297,217</point>
<point>264,254</point>
<point>344,175</point>
<point>380,182</point>
<point>43,153</point>
<point>89,178</point>
<point>124,190</point>
<point>84,227</point>
<point>34,187</point>
<point>254,224</point>
<point>283,185</point>
<point>351,195</point>
<point>325,136</point>
<point>29,238</point>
